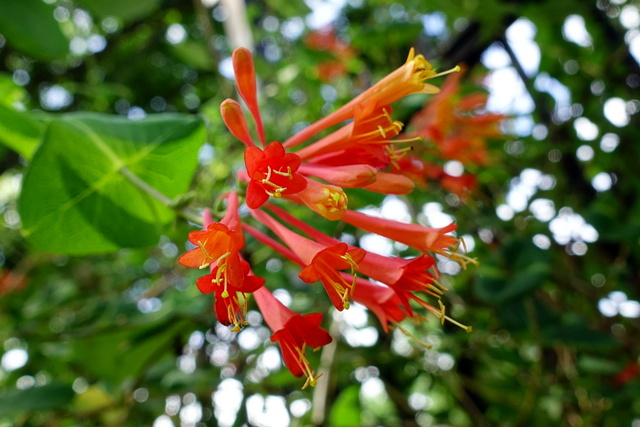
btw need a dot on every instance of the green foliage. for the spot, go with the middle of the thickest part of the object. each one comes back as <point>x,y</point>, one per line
<point>81,193</point>
<point>30,27</point>
<point>123,9</point>
<point>20,131</point>
<point>49,396</point>
<point>95,209</point>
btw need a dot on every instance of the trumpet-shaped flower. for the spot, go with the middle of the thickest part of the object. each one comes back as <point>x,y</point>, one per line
<point>218,247</point>
<point>245,75</point>
<point>272,172</point>
<point>229,306</point>
<point>321,262</point>
<point>294,333</point>
<point>426,239</point>
<point>406,80</point>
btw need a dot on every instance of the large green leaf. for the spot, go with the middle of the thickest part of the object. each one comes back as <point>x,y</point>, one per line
<point>124,9</point>
<point>29,26</point>
<point>48,396</point>
<point>76,198</point>
<point>115,356</point>
<point>20,131</point>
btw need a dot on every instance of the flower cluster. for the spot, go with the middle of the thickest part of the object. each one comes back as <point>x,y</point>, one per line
<point>454,128</point>
<point>361,152</point>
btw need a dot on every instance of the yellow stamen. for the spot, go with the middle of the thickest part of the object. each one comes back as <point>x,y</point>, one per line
<point>396,154</point>
<point>440,314</point>
<point>237,320</point>
<point>312,378</point>
<point>410,335</point>
<point>277,193</point>
<point>454,255</point>
<point>455,69</point>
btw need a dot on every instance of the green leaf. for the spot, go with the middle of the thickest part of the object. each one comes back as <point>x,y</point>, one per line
<point>346,409</point>
<point>116,356</point>
<point>20,131</point>
<point>125,9</point>
<point>76,198</point>
<point>29,26</point>
<point>45,397</point>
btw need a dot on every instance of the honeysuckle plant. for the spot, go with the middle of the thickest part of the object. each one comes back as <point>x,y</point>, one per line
<point>360,150</point>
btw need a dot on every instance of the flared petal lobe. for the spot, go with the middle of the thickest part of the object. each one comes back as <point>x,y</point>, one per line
<point>272,172</point>
<point>215,242</point>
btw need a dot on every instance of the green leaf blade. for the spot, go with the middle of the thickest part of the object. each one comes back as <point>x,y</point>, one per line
<point>30,27</point>
<point>76,199</point>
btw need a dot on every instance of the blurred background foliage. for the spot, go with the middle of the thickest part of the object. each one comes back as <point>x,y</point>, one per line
<point>125,338</point>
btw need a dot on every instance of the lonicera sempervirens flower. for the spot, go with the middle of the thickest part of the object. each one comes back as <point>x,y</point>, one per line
<point>218,248</point>
<point>294,333</point>
<point>405,278</point>
<point>362,150</point>
<point>270,171</point>
<point>455,128</point>
<point>320,262</point>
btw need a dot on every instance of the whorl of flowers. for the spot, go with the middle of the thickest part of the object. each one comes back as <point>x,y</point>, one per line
<point>360,151</point>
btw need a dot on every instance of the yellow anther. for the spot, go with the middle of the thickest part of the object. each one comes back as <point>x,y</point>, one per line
<point>277,193</point>
<point>455,69</point>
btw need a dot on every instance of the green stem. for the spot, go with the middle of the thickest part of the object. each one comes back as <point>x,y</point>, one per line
<point>188,214</point>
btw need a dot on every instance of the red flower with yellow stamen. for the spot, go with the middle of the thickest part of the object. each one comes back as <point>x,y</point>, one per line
<point>348,176</point>
<point>219,248</point>
<point>294,333</point>
<point>320,261</point>
<point>406,80</point>
<point>214,246</point>
<point>230,308</point>
<point>403,275</point>
<point>370,127</point>
<point>272,172</point>
<point>360,154</point>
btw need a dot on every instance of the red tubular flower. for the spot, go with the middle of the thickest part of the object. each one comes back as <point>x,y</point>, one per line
<point>230,308</point>
<point>272,172</point>
<point>233,118</point>
<point>426,239</point>
<point>391,183</point>
<point>370,126</point>
<point>219,248</point>
<point>406,80</point>
<point>214,246</point>
<point>349,176</point>
<point>408,274</point>
<point>322,262</point>
<point>245,75</point>
<point>294,333</point>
